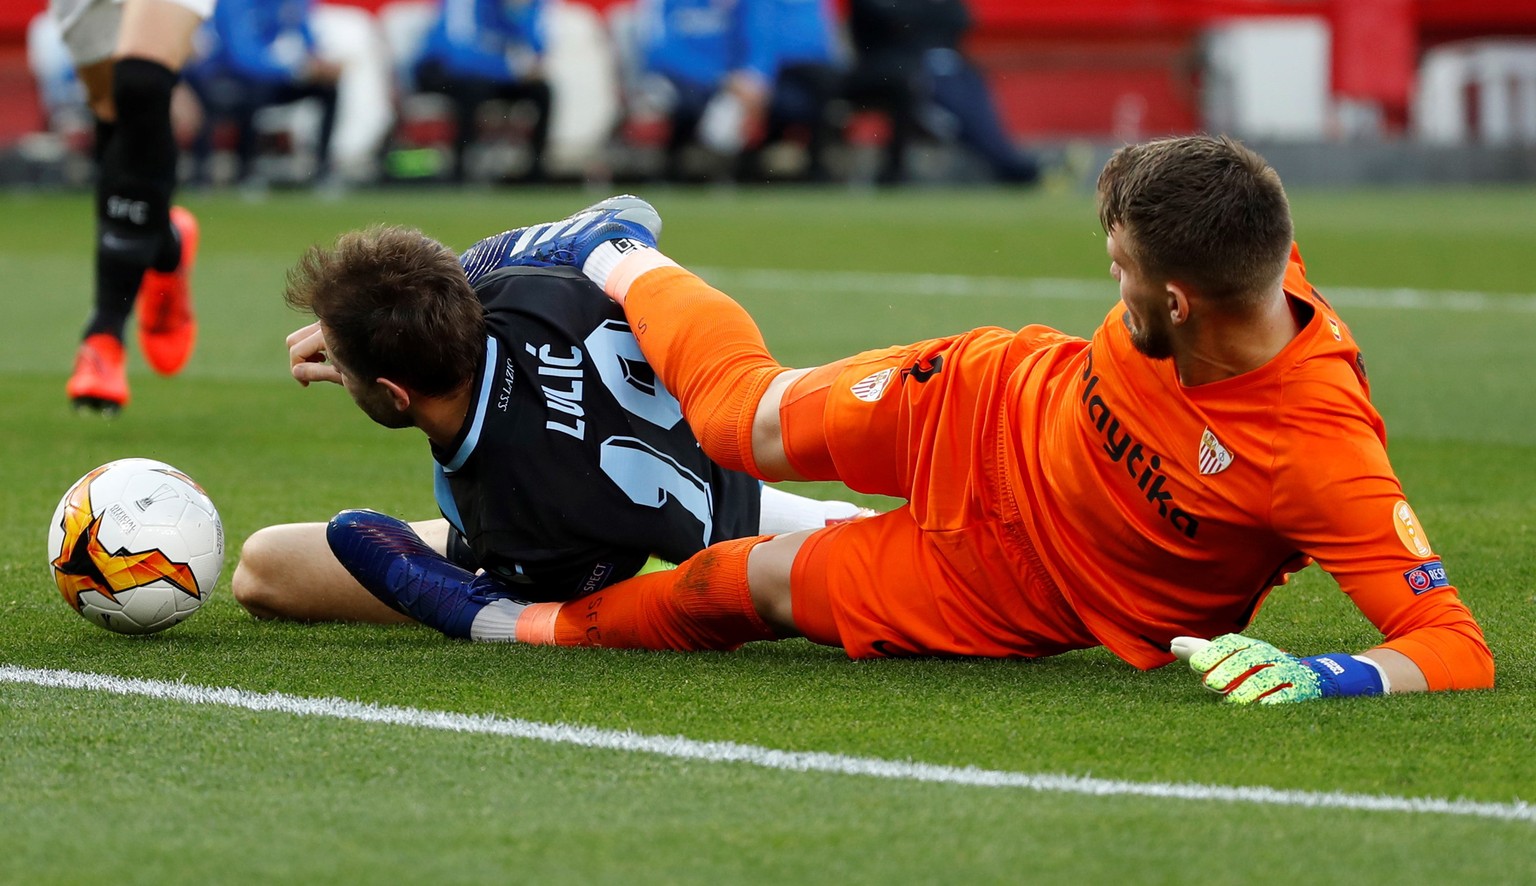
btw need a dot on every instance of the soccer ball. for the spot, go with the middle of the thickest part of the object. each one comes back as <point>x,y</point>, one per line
<point>135,546</point>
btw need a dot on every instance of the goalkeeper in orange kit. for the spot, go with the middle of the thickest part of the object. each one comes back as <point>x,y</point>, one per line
<point>1143,489</point>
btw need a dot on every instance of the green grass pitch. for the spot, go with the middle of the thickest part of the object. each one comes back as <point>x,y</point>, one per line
<point>98,787</point>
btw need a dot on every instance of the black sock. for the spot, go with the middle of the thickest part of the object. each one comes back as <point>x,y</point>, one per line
<point>169,257</point>
<point>117,285</point>
<point>138,164</point>
<point>137,156</point>
<point>104,132</point>
<point>110,313</point>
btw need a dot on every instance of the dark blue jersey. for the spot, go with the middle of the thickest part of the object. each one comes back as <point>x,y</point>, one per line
<point>574,464</point>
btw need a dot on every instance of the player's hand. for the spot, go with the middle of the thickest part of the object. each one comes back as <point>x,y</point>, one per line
<point>307,356</point>
<point>1247,671</point>
<point>656,564</point>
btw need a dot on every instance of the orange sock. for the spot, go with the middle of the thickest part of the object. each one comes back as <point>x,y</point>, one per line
<point>702,604</point>
<point>709,353</point>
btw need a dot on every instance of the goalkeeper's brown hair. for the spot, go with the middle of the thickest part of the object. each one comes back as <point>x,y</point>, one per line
<point>395,304</point>
<point>1201,210</point>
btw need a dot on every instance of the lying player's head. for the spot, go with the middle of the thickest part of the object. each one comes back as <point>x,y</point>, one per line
<point>1203,212</point>
<point>394,304</point>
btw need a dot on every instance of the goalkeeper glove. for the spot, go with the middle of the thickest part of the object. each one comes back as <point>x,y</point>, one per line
<point>1245,670</point>
<point>656,564</point>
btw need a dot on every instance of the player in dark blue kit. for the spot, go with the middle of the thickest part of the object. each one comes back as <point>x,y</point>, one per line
<point>562,464</point>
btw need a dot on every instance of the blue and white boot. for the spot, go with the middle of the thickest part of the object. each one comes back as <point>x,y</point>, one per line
<point>626,221</point>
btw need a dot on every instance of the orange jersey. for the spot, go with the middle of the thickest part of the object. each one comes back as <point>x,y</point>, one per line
<point>1065,493</point>
<point>1162,510</point>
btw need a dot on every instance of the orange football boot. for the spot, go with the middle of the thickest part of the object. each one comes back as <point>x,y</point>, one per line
<point>167,328</point>
<point>100,379</point>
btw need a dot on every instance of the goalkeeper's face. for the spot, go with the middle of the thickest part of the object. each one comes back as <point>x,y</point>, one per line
<point>1146,304</point>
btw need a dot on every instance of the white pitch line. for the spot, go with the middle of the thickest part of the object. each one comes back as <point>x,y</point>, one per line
<point>682,748</point>
<point>1066,289</point>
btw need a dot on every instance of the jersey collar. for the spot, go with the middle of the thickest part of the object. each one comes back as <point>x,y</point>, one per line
<point>474,422</point>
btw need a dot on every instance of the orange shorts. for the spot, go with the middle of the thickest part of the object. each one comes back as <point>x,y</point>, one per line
<point>943,575</point>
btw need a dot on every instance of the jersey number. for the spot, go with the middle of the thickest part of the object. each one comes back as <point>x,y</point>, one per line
<point>650,477</point>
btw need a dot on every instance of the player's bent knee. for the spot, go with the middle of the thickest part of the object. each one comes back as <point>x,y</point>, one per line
<point>256,585</point>
<point>248,590</point>
<point>251,594</point>
<point>162,32</point>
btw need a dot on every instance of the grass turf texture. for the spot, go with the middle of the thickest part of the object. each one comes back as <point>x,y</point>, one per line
<point>95,786</point>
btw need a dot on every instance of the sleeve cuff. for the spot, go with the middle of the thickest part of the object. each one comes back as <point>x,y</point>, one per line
<point>616,265</point>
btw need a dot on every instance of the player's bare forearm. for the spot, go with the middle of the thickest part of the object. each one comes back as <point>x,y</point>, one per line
<point>1401,672</point>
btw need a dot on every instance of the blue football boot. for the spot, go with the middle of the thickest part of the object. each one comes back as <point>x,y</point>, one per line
<point>567,242</point>
<point>388,558</point>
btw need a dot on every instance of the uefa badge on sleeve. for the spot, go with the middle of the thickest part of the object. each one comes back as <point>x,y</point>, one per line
<point>1427,577</point>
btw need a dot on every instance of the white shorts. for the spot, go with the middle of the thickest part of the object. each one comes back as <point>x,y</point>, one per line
<point>90,27</point>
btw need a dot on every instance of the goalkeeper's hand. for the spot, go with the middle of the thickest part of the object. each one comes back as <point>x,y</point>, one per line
<point>1244,671</point>
<point>656,564</point>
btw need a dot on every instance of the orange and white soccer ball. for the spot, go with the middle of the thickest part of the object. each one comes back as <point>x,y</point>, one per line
<point>135,546</point>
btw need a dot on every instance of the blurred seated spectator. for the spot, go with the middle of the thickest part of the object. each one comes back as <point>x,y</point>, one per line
<point>60,93</point>
<point>351,36</point>
<point>809,73</point>
<point>909,64</point>
<point>711,64</point>
<point>479,51</point>
<point>257,54</point>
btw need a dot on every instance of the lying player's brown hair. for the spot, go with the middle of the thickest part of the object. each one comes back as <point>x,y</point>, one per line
<point>395,304</point>
<point>1201,210</point>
